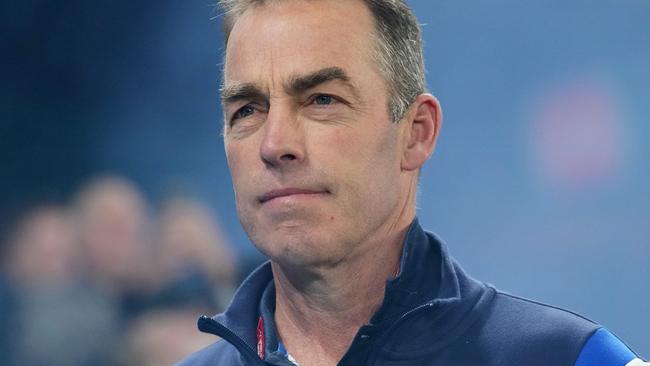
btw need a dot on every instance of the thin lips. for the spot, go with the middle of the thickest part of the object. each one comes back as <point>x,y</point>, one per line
<point>285,192</point>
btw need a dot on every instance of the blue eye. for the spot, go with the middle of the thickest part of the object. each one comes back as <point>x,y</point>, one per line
<point>323,100</point>
<point>244,112</point>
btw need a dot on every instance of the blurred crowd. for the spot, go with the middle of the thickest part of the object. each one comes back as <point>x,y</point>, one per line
<point>105,280</point>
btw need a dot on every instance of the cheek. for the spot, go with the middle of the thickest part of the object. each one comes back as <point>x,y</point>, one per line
<point>241,154</point>
<point>349,145</point>
<point>239,166</point>
<point>380,168</point>
<point>368,163</point>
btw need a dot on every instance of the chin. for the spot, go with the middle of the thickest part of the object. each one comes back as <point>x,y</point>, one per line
<point>305,238</point>
<point>297,249</point>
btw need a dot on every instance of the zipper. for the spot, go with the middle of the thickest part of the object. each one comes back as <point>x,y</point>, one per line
<point>209,325</point>
<point>381,341</point>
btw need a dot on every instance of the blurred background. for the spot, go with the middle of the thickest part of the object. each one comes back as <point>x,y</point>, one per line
<point>117,220</point>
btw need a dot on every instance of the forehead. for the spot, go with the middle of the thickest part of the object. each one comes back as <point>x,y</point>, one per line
<point>289,37</point>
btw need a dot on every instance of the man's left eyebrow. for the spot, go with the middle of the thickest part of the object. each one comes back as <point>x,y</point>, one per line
<point>302,83</point>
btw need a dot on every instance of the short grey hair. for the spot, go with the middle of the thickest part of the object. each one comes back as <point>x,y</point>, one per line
<point>398,51</point>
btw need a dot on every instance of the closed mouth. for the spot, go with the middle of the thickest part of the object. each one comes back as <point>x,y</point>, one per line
<point>285,192</point>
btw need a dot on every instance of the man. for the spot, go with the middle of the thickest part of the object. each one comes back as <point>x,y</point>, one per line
<point>327,124</point>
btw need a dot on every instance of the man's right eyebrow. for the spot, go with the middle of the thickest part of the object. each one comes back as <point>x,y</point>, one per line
<point>244,91</point>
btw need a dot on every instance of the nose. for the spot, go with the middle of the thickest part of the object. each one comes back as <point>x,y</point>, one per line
<point>283,143</point>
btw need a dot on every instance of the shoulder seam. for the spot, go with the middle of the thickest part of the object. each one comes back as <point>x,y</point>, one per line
<point>635,354</point>
<point>582,347</point>
<point>587,338</point>
<point>523,299</point>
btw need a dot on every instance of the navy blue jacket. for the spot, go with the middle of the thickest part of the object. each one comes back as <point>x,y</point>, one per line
<point>432,314</point>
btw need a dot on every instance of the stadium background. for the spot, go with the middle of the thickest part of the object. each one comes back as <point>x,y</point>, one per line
<point>540,183</point>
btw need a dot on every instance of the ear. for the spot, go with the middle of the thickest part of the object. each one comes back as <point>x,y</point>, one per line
<point>422,127</point>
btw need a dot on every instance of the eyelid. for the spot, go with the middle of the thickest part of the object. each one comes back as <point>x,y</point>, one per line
<point>336,98</point>
<point>233,116</point>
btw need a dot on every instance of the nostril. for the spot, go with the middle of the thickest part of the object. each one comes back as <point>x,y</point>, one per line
<point>277,161</point>
<point>288,157</point>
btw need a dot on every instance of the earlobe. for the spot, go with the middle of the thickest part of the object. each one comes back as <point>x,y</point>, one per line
<point>423,126</point>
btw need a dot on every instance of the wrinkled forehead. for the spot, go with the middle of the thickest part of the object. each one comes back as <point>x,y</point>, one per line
<point>271,42</point>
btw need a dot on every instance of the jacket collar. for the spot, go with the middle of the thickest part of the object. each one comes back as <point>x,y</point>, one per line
<point>410,288</point>
<point>242,315</point>
<point>428,276</point>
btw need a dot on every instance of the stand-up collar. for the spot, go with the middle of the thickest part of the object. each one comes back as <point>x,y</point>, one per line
<point>411,288</point>
<point>428,277</point>
<point>242,315</point>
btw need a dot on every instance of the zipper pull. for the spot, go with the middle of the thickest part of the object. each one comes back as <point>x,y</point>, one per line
<point>208,325</point>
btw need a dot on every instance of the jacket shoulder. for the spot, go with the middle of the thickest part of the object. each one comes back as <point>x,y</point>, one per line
<point>534,333</point>
<point>535,320</point>
<point>218,353</point>
<point>525,315</point>
<point>604,348</point>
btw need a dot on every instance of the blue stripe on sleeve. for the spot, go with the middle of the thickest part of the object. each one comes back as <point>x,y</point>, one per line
<point>604,349</point>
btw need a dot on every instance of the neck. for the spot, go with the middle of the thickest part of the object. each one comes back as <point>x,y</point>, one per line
<point>317,318</point>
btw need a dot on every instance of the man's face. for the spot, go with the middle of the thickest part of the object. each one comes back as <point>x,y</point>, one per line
<point>314,156</point>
